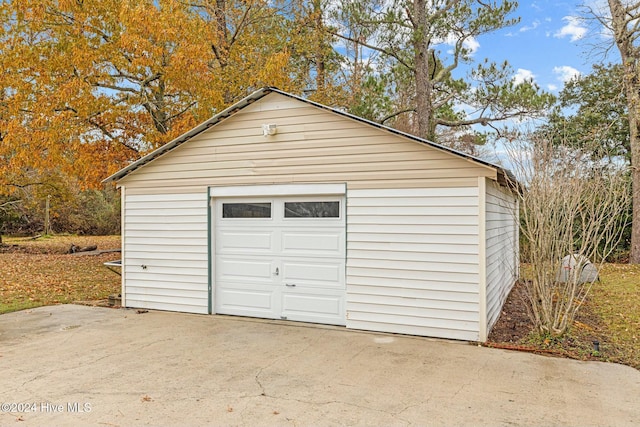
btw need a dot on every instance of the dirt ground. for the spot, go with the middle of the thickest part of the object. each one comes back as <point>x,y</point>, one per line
<point>514,330</point>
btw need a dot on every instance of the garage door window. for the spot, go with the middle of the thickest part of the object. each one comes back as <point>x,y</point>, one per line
<point>246,210</point>
<point>312,209</point>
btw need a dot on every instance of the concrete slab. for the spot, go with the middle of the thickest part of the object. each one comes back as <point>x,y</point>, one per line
<point>75,365</point>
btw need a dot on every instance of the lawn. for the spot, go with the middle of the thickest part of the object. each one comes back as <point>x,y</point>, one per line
<point>616,304</point>
<point>40,272</point>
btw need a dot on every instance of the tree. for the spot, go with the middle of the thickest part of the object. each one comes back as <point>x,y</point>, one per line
<point>422,44</point>
<point>625,25</point>
<point>250,45</point>
<point>592,114</point>
<point>315,63</point>
<point>116,68</point>
<point>91,84</point>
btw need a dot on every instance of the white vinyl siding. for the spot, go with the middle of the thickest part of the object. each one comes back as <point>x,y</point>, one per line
<point>412,261</point>
<point>501,248</point>
<point>312,145</point>
<point>167,234</point>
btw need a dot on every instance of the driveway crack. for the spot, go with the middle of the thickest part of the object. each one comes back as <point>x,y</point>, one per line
<point>394,414</point>
<point>308,345</point>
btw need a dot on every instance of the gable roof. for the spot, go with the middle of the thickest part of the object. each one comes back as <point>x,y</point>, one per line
<point>505,177</point>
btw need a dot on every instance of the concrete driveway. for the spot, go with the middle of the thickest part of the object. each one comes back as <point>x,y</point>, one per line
<point>76,365</point>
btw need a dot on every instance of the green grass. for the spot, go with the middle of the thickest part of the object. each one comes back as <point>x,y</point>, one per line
<point>17,305</point>
<point>615,302</point>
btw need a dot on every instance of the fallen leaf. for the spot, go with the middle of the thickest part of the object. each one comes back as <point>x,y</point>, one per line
<point>146,398</point>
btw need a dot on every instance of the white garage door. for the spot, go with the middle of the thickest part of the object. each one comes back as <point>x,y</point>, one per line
<point>281,258</point>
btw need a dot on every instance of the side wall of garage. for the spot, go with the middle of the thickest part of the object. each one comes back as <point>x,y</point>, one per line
<point>502,247</point>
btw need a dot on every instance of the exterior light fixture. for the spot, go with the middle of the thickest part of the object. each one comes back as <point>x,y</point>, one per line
<point>269,129</point>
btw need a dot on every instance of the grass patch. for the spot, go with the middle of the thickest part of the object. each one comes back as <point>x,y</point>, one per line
<point>39,272</point>
<point>610,316</point>
<point>615,302</point>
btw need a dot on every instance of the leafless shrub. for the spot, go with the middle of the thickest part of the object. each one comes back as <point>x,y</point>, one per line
<point>569,206</point>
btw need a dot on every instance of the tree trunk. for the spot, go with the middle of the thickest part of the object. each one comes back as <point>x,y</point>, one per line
<point>424,107</point>
<point>630,55</point>
<point>220,44</point>
<point>320,51</point>
<point>223,31</point>
<point>634,138</point>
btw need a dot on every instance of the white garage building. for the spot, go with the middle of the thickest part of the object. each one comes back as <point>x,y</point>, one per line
<point>283,208</point>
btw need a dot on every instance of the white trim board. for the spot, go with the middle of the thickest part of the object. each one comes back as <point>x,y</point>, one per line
<point>279,190</point>
<point>482,258</point>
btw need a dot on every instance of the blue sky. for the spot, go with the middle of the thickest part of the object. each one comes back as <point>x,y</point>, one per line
<point>550,44</point>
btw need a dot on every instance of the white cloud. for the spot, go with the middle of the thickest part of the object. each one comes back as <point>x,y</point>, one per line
<point>522,76</point>
<point>552,87</point>
<point>471,44</point>
<point>533,26</point>
<point>565,73</point>
<point>573,28</point>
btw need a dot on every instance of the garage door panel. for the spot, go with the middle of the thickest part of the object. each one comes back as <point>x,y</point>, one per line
<point>312,273</point>
<point>239,241</point>
<point>245,270</point>
<point>246,303</point>
<point>322,242</point>
<point>318,307</point>
<point>252,297</point>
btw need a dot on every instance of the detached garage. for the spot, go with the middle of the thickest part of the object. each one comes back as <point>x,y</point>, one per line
<point>282,208</point>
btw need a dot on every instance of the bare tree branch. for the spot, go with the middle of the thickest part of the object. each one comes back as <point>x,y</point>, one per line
<point>397,113</point>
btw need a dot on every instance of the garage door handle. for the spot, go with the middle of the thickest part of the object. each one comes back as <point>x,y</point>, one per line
<point>291,285</point>
<point>277,272</point>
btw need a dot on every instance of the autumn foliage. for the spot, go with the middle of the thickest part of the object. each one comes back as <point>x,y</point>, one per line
<point>90,85</point>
